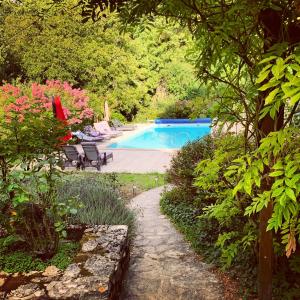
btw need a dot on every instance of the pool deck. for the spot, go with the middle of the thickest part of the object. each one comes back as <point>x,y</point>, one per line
<point>135,160</point>
<point>138,161</point>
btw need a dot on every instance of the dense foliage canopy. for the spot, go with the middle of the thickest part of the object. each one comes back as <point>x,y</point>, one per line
<point>147,66</point>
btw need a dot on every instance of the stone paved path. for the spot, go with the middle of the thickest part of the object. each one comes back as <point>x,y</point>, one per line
<point>162,265</point>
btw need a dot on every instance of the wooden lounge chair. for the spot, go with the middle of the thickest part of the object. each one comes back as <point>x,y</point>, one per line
<point>93,157</point>
<point>104,128</point>
<point>120,126</point>
<point>73,157</point>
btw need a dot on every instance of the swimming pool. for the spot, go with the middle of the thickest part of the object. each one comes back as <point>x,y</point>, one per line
<point>163,136</point>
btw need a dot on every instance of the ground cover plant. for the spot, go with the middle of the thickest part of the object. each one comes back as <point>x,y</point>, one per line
<point>15,258</point>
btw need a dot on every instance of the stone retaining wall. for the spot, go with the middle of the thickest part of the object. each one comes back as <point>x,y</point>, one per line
<point>97,271</point>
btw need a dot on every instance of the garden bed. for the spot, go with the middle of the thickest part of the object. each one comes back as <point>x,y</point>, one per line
<point>96,271</point>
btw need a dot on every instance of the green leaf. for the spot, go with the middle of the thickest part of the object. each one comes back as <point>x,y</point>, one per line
<point>291,171</point>
<point>237,188</point>
<point>271,96</point>
<point>290,193</point>
<point>282,199</point>
<point>262,76</point>
<point>277,183</point>
<point>276,174</point>
<point>290,183</point>
<point>19,199</point>
<point>73,211</point>
<point>278,68</point>
<point>233,167</point>
<point>268,85</point>
<point>260,165</point>
<point>273,112</point>
<point>277,192</point>
<point>271,225</point>
<point>289,92</point>
<point>286,214</point>
<point>278,166</point>
<point>294,99</point>
<point>295,67</point>
<point>264,112</point>
<point>267,59</point>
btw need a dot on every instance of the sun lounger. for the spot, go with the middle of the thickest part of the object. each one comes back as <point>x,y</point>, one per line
<point>104,128</point>
<point>119,126</point>
<point>93,157</point>
<point>91,131</point>
<point>86,138</point>
<point>73,157</point>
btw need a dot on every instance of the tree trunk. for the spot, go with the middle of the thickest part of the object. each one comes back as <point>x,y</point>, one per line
<point>271,23</point>
<point>265,267</point>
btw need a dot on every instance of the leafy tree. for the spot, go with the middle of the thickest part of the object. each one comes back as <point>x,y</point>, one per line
<point>50,42</point>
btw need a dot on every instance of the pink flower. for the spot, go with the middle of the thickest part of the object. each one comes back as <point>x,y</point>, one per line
<point>21,102</point>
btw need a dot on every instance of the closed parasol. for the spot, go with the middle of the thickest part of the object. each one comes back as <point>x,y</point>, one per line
<point>59,114</point>
<point>106,111</point>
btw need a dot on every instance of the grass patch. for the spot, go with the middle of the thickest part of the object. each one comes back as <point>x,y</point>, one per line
<point>144,182</point>
<point>132,184</point>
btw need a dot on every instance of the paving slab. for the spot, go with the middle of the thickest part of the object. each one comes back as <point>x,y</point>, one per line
<point>163,266</point>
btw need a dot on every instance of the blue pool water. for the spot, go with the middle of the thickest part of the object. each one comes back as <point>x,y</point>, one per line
<point>164,137</point>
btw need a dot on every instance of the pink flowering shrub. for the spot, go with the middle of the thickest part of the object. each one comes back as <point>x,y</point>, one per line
<point>22,101</point>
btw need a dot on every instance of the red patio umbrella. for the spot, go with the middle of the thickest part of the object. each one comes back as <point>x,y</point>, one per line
<point>59,114</point>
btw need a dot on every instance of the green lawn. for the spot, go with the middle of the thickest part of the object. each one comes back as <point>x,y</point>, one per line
<point>130,185</point>
<point>143,182</point>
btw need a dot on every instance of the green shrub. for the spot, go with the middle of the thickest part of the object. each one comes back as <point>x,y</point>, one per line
<point>101,201</point>
<point>182,170</point>
<point>178,110</point>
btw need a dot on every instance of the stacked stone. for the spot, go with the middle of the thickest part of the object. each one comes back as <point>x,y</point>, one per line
<point>97,271</point>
